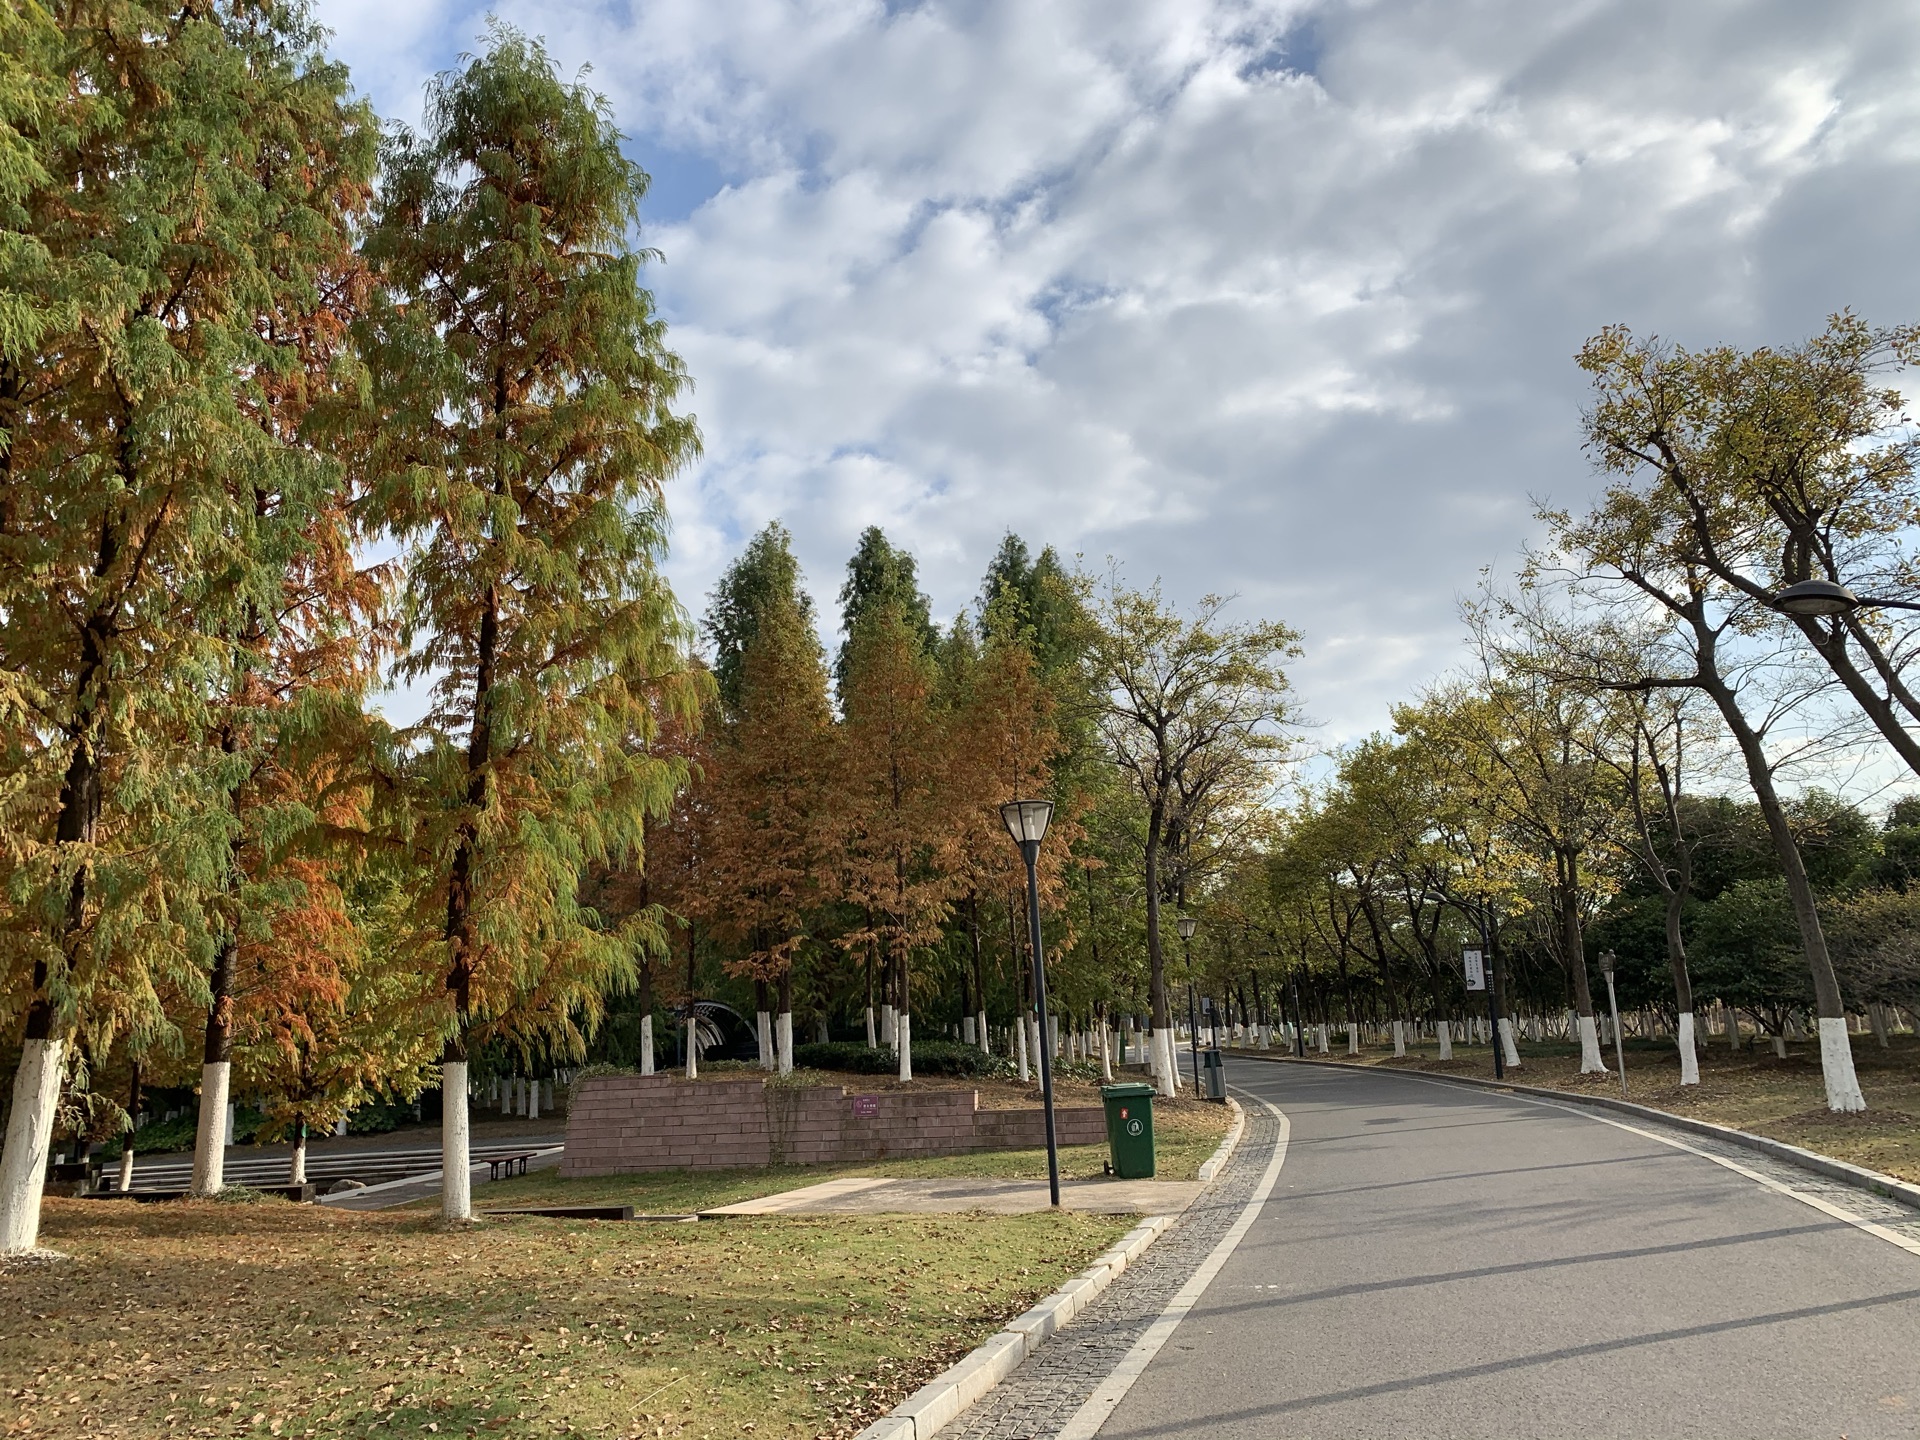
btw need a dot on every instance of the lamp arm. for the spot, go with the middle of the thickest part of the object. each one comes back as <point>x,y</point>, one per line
<point>1888,605</point>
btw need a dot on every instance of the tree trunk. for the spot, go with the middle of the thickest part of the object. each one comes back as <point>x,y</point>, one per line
<point>1020,1047</point>
<point>903,1023</point>
<point>455,1150</point>
<point>1836,1048</point>
<point>783,1026</point>
<point>693,1015</point>
<point>763,1023</point>
<point>297,1166</point>
<point>1156,956</point>
<point>646,1018</point>
<point>216,1073</point>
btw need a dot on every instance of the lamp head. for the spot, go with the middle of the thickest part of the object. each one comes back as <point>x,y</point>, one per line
<point>1812,599</point>
<point>1026,820</point>
<point>1607,960</point>
<point>1186,925</point>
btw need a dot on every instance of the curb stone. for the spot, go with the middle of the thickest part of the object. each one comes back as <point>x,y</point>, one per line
<point>954,1389</point>
<point>1888,1187</point>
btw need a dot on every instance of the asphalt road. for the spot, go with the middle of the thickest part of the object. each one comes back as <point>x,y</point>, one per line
<point>1437,1262</point>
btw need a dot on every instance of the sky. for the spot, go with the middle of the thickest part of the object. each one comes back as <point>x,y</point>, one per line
<point>1275,300</point>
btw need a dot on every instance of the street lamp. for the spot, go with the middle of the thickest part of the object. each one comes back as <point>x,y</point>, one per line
<point>1607,961</point>
<point>1818,599</point>
<point>1479,914</point>
<point>1186,925</point>
<point>1026,822</point>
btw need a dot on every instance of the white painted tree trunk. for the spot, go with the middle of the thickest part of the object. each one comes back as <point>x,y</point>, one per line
<point>873,1040</point>
<point>456,1176</point>
<point>1877,1018</point>
<point>210,1136</point>
<point>1506,1044</point>
<point>1053,1036</point>
<point>1590,1061</point>
<point>1733,1026</point>
<point>1689,1062</point>
<point>533,1100</point>
<point>23,1167</point>
<point>783,1041</point>
<point>1320,1038</point>
<point>986,1035</point>
<point>1836,1068</point>
<point>1020,1048</point>
<point>1160,1059</point>
<point>126,1165</point>
<point>1399,1039</point>
<point>1444,1031</point>
<point>1353,1038</point>
<point>763,1031</point>
<point>646,1044</point>
<point>297,1169</point>
<point>886,1026</point>
<point>903,1039</point>
<point>693,1051</point>
<point>967,1037</point>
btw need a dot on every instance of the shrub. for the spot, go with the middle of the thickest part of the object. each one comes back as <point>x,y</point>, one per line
<point>930,1057</point>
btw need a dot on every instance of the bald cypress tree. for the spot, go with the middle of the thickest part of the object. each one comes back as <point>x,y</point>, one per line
<point>151,242</point>
<point>880,576</point>
<point>524,403</point>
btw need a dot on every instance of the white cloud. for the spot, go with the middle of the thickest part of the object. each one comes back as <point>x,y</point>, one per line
<point>1265,297</point>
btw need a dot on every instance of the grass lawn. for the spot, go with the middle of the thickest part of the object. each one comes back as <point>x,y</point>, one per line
<point>208,1319</point>
<point>1751,1090</point>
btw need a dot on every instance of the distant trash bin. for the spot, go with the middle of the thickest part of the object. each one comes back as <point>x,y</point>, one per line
<point>1213,1075</point>
<point>1130,1128</point>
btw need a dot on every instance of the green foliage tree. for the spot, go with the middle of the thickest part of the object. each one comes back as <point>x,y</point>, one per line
<point>521,398</point>
<point>153,246</point>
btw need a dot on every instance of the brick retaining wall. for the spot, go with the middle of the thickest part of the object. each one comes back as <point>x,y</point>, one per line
<point>623,1123</point>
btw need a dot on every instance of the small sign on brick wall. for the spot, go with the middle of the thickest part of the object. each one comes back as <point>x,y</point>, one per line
<point>866,1107</point>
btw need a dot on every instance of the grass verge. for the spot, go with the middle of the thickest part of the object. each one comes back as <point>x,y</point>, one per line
<point>213,1320</point>
<point>1750,1090</point>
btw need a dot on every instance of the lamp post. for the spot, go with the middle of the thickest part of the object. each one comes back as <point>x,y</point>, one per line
<point>1186,925</point>
<point>1479,914</point>
<point>1026,822</point>
<point>1607,961</point>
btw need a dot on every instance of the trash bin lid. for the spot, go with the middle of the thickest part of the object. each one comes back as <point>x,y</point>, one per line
<point>1127,1090</point>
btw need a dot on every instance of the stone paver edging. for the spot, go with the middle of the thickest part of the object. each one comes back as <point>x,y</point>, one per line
<point>954,1389</point>
<point>1888,1187</point>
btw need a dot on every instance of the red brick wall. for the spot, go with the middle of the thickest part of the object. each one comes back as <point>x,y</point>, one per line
<point>623,1123</point>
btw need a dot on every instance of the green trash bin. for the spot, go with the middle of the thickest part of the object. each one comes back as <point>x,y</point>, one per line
<point>1130,1129</point>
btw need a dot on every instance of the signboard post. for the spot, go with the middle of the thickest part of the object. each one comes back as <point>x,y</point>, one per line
<point>1474,962</point>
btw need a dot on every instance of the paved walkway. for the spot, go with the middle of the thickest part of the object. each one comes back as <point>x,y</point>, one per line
<point>873,1195</point>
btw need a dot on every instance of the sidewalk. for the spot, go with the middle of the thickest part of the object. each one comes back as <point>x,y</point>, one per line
<point>871,1195</point>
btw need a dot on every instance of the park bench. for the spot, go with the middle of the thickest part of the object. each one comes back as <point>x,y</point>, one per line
<point>498,1165</point>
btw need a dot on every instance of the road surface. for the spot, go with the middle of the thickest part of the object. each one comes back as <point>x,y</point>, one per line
<point>1439,1262</point>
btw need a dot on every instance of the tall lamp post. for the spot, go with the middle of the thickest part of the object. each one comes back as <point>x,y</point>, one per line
<point>1607,961</point>
<point>1026,822</point>
<point>1186,925</point>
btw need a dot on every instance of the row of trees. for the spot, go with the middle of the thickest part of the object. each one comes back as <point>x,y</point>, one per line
<point>1579,787</point>
<point>234,367</point>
